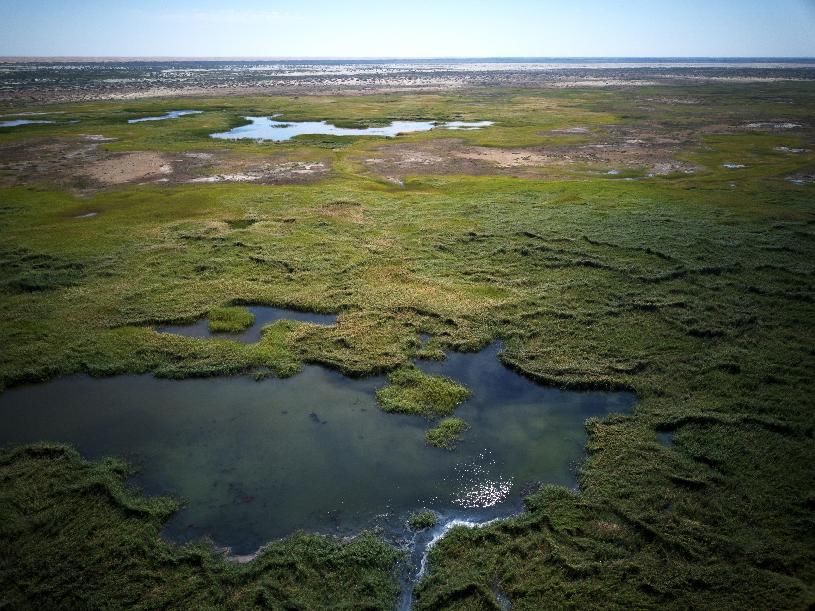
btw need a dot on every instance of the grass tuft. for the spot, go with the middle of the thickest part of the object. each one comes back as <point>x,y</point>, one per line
<point>420,520</point>
<point>447,433</point>
<point>230,320</point>
<point>411,391</point>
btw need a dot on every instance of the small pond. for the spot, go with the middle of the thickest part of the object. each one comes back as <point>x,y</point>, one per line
<point>269,128</point>
<point>258,460</point>
<point>264,315</point>
<point>466,124</point>
<point>173,114</point>
<point>18,122</point>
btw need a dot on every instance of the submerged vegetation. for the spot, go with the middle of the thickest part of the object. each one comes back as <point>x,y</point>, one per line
<point>686,281</point>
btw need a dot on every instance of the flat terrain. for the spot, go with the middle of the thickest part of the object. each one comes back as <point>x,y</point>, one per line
<point>655,238</point>
<point>26,80</point>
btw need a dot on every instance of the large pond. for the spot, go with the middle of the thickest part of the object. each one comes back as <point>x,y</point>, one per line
<point>258,460</point>
<point>269,128</point>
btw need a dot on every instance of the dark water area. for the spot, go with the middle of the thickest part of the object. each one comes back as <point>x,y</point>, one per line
<point>173,114</point>
<point>268,128</point>
<point>264,315</point>
<point>255,461</point>
<point>666,438</point>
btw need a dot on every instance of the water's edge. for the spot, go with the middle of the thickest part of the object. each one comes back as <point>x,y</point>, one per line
<point>483,371</point>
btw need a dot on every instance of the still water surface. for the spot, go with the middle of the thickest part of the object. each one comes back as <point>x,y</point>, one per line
<point>264,315</point>
<point>258,460</point>
<point>173,114</point>
<point>269,128</point>
<point>18,122</point>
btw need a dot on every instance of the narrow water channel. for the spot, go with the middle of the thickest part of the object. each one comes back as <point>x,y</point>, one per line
<point>264,315</point>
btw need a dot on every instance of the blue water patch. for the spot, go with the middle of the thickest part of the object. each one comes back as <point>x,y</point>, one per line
<point>18,122</point>
<point>173,114</point>
<point>264,315</point>
<point>269,128</point>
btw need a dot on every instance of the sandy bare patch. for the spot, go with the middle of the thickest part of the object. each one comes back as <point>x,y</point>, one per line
<point>508,158</point>
<point>673,101</point>
<point>82,164</point>
<point>672,167</point>
<point>648,149</point>
<point>128,167</point>
<point>44,160</point>
<point>773,126</point>
<point>268,172</point>
<point>571,130</point>
<point>802,179</point>
<point>227,178</point>
<point>787,149</point>
<point>97,138</point>
<point>409,158</point>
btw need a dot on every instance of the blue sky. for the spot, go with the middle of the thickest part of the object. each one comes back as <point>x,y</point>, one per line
<point>419,28</point>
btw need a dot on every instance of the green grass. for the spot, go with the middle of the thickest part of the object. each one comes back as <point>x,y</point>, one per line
<point>422,519</point>
<point>230,320</point>
<point>695,291</point>
<point>447,433</point>
<point>410,391</point>
<point>72,535</point>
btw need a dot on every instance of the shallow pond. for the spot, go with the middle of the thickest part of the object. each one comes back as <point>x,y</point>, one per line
<point>268,128</point>
<point>18,122</point>
<point>264,315</point>
<point>173,114</point>
<point>466,124</point>
<point>259,460</point>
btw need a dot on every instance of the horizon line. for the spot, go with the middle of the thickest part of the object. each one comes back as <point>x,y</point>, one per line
<point>401,57</point>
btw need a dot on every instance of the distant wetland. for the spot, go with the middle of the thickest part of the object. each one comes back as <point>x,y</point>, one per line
<point>269,128</point>
<point>398,338</point>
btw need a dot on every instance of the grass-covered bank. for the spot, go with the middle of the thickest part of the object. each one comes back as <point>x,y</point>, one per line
<point>695,290</point>
<point>72,536</point>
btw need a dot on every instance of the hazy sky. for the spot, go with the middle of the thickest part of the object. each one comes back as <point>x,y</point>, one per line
<point>419,28</point>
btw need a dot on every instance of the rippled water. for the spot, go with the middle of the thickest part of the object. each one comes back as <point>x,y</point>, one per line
<point>269,128</point>
<point>258,460</point>
<point>173,114</point>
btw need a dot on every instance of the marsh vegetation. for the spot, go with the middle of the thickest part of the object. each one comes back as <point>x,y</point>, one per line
<point>672,277</point>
